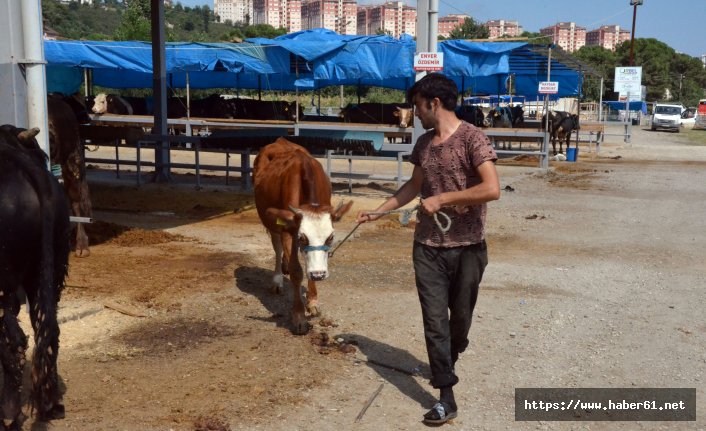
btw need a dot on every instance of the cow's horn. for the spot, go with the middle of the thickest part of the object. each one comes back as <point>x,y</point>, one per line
<point>28,134</point>
<point>295,210</point>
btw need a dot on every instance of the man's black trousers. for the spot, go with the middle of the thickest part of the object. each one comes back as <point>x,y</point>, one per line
<point>447,283</point>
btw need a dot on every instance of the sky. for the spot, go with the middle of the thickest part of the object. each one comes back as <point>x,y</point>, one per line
<point>678,23</point>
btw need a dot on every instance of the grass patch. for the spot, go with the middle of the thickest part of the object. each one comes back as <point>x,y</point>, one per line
<point>696,137</point>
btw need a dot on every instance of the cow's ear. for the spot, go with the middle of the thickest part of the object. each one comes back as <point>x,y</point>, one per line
<point>285,218</point>
<point>396,112</point>
<point>341,210</point>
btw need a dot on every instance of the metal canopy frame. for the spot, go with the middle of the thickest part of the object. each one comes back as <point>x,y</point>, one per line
<point>564,60</point>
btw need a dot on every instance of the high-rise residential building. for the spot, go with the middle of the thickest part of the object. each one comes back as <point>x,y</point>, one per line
<point>703,60</point>
<point>607,36</point>
<point>500,28</point>
<point>235,11</point>
<point>567,35</point>
<point>268,12</point>
<point>393,18</point>
<point>449,22</point>
<point>337,15</point>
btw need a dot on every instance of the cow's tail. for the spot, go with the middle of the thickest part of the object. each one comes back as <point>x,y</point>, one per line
<point>46,396</point>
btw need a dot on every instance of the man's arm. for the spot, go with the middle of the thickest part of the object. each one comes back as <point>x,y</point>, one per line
<point>403,196</point>
<point>487,190</point>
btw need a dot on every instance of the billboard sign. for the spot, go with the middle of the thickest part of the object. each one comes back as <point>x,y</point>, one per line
<point>548,87</point>
<point>628,80</point>
<point>429,61</point>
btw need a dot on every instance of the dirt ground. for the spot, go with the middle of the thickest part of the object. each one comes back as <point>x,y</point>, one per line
<point>596,279</point>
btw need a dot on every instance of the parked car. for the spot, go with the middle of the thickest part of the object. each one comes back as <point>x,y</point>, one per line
<point>666,116</point>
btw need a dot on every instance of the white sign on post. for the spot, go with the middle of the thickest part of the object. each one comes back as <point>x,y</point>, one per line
<point>548,87</point>
<point>628,80</point>
<point>429,61</point>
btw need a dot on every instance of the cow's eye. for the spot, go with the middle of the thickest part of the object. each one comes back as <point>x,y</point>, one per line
<point>303,240</point>
<point>329,240</point>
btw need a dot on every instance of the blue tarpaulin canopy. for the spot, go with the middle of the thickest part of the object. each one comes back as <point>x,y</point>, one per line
<point>620,106</point>
<point>306,60</point>
<point>129,64</point>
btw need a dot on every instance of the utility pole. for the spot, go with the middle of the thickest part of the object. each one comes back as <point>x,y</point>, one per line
<point>634,4</point>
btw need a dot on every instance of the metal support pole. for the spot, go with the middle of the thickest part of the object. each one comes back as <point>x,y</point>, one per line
<point>159,92</point>
<point>632,33</point>
<point>35,71</point>
<point>544,158</point>
<point>600,102</point>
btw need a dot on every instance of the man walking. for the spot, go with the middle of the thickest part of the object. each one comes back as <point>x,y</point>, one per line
<point>454,172</point>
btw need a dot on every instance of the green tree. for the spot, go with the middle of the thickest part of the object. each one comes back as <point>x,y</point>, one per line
<point>206,16</point>
<point>264,30</point>
<point>470,30</point>
<point>537,38</point>
<point>136,22</point>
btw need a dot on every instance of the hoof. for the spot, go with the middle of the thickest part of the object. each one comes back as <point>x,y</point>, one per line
<point>14,424</point>
<point>313,310</point>
<point>299,325</point>
<point>84,252</point>
<point>56,412</point>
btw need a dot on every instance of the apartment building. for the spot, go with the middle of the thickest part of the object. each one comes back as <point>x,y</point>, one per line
<point>607,36</point>
<point>394,18</point>
<point>278,13</point>
<point>337,15</point>
<point>502,28</point>
<point>449,22</point>
<point>567,35</point>
<point>235,11</point>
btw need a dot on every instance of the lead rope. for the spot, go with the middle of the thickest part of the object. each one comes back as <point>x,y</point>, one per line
<point>404,220</point>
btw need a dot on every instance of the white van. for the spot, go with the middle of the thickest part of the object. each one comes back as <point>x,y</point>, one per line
<point>666,116</point>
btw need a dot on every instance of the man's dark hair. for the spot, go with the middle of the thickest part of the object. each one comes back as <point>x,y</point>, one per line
<point>435,85</point>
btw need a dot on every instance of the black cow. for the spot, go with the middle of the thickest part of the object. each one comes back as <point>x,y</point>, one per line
<point>471,114</point>
<point>78,105</point>
<point>517,115</point>
<point>398,114</point>
<point>252,109</point>
<point>140,105</point>
<point>176,107</point>
<point>213,106</point>
<point>561,124</point>
<point>65,151</point>
<point>34,256</point>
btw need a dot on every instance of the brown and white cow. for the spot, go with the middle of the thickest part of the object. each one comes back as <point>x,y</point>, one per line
<point>111,104</point>
<point>65,149</point>
<point>293,200</point>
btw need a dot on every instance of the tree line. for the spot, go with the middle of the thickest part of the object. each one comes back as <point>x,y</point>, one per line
<point>667,74</point>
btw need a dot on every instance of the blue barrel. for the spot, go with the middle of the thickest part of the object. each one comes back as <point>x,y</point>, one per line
<point>572,154</point>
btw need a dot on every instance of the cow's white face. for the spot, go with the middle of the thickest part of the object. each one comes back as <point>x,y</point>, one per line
<point>100,104</point>
<point>405,115</point>
<point>315,239</point>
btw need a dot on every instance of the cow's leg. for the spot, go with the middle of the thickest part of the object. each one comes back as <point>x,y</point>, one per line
<point>312,305</point>
<point>82,249</point>
<point>296,276</point>
<point>77,189</point>
<point>13,344</point>
<point>278,277</point>
<point>43,299</point>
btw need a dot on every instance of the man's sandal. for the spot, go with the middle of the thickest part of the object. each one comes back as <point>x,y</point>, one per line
<point>439,414</point>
